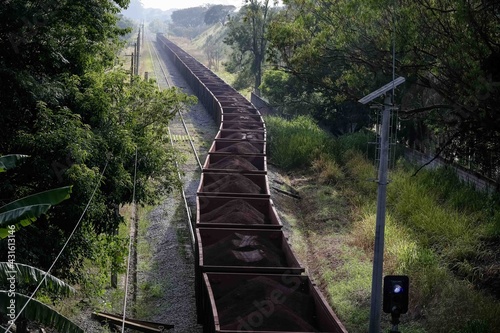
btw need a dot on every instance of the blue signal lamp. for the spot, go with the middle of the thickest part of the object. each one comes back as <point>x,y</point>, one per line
<point>396,288</point>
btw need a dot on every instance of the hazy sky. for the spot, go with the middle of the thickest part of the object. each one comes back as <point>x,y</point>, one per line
<point>179,4</point>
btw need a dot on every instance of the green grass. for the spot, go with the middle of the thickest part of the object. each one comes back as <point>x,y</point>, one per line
<point>144,251</point>
<point>146,62</point>
<point>427,235</point>
<point>436,224</point>
<point>296,143</point>
<point>437,232</point>
<point>348,286</point>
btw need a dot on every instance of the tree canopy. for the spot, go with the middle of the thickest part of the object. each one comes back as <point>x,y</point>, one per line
<point>447,50</point>
<point>67,104</point>
<point>247,37</point>
<point>189,17</point>
<point>218,13</point>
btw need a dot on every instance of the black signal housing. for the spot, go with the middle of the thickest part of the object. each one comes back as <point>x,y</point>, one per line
<point>396,289</point>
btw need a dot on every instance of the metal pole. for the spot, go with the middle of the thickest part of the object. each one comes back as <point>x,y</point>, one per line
<point>138,52</point>
<point>132,67</point>
<point>378,253</point>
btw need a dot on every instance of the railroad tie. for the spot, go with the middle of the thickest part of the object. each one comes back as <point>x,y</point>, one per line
<point>178,137</point>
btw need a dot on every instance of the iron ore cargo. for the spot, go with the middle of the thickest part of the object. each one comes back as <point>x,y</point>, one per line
<point>247,277</point>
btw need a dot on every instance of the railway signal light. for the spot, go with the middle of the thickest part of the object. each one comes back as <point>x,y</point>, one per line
<point>396,294</point>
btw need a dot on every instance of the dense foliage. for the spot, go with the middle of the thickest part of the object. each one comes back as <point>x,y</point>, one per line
<point>188,22</point>
<point>246,35</point>
<point>336,51</point>
<point>191,22</point>
<point>67,105</point>
<point>218,14</point>
<point>295,144</point>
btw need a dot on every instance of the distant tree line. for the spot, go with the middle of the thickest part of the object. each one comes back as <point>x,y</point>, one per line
<point>190,22</point>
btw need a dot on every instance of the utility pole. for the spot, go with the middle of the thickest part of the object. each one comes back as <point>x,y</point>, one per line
<point>143,32</point>
<point>378,253</point>
<point>131,66</point>
<point>138,52</point>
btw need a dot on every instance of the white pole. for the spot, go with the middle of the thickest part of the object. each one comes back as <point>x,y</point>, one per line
<point>378,253</point>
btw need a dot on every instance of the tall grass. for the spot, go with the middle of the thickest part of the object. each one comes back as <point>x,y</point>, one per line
<point>435,231</point>
<point>360,171</point>
<point>294,144</point>
<point>463,198</point>
<point>360,142</point>
<point>438,226</point>
<point>431,231</point>
<point>434,290</point>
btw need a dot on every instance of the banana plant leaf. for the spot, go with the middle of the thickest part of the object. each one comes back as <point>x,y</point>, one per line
<point>9,161</point>
<point>29,275</point>
<point>37,311</point>
<point>24,211</point>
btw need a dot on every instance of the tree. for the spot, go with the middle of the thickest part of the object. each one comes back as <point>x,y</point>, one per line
<point>24,211</point>
<point>189,17</point>
<point>14,215</point>
<point>218,14</point>
<point>445,49</point>
<point>214,47</point>
<point>66,105</point>
<point>246,35</point>
<point>188,22</point>
<point>158,25</point>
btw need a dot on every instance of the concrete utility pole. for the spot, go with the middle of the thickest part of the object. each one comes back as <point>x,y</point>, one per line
<point>138,52</point>
<point>132,68</point>
<point>378,253</point>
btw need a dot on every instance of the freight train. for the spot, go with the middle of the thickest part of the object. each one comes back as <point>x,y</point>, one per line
<point>246,275</point>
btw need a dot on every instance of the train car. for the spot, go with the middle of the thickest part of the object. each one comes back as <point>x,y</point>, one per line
<point>247,278</point>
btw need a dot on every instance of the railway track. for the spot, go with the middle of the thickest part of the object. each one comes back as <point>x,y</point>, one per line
<point>169,234</point>
<point>191,131</point>
<point>179,133</point>
<point>246,276</point>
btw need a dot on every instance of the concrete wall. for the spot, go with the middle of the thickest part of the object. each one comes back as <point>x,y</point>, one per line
<point>479,182</point>
<point>261,105</point>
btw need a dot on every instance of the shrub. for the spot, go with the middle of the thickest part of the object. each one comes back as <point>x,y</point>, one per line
<point>294,144</point>
<point>329,172</point>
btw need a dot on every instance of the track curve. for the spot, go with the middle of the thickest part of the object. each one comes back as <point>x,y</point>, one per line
<point>246,276</point>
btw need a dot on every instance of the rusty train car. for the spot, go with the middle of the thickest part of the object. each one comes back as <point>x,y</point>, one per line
<point>246,276</point>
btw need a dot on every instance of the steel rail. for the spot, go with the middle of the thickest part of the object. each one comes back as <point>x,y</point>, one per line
<point>186,205</point>
<point>170,84</point>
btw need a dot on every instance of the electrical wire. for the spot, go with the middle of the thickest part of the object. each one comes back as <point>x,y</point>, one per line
<point>130,242</point>
<point>60,252</point>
